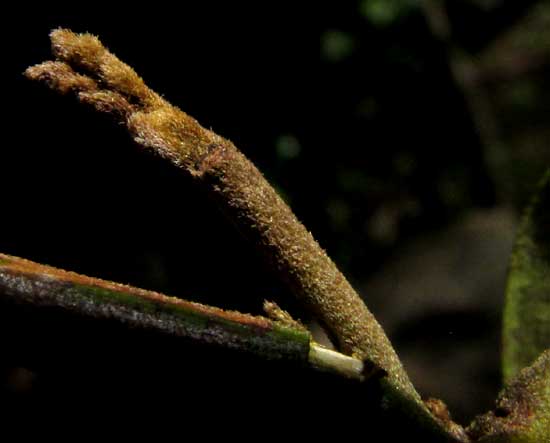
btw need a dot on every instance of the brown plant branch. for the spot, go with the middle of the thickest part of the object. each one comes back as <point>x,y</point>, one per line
<point>84,66</point>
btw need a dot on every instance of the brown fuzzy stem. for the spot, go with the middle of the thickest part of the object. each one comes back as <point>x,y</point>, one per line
<point>235,183</point>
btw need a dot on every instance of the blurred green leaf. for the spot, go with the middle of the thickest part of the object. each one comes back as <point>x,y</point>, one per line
<point>336,45</point>
<point>383,13</point>
<point>486,5</point>
<point>287,147</point>
<point>526,325</point>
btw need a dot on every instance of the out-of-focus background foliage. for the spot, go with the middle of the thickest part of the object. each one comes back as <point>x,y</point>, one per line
<point>406,135</point>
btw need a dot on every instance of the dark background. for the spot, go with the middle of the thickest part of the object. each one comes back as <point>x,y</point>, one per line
<point>409,173</point>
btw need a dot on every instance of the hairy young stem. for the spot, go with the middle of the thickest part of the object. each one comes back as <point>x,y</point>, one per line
<point>85,66</point>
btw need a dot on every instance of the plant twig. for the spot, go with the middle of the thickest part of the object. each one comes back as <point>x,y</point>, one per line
<point>100,79</point>
<point>83,65</point>
<point>28,283</point>
<point>23,282</point>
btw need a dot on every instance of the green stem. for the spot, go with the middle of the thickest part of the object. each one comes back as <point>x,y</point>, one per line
<point>26,282</point>
<point>23,282</point>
